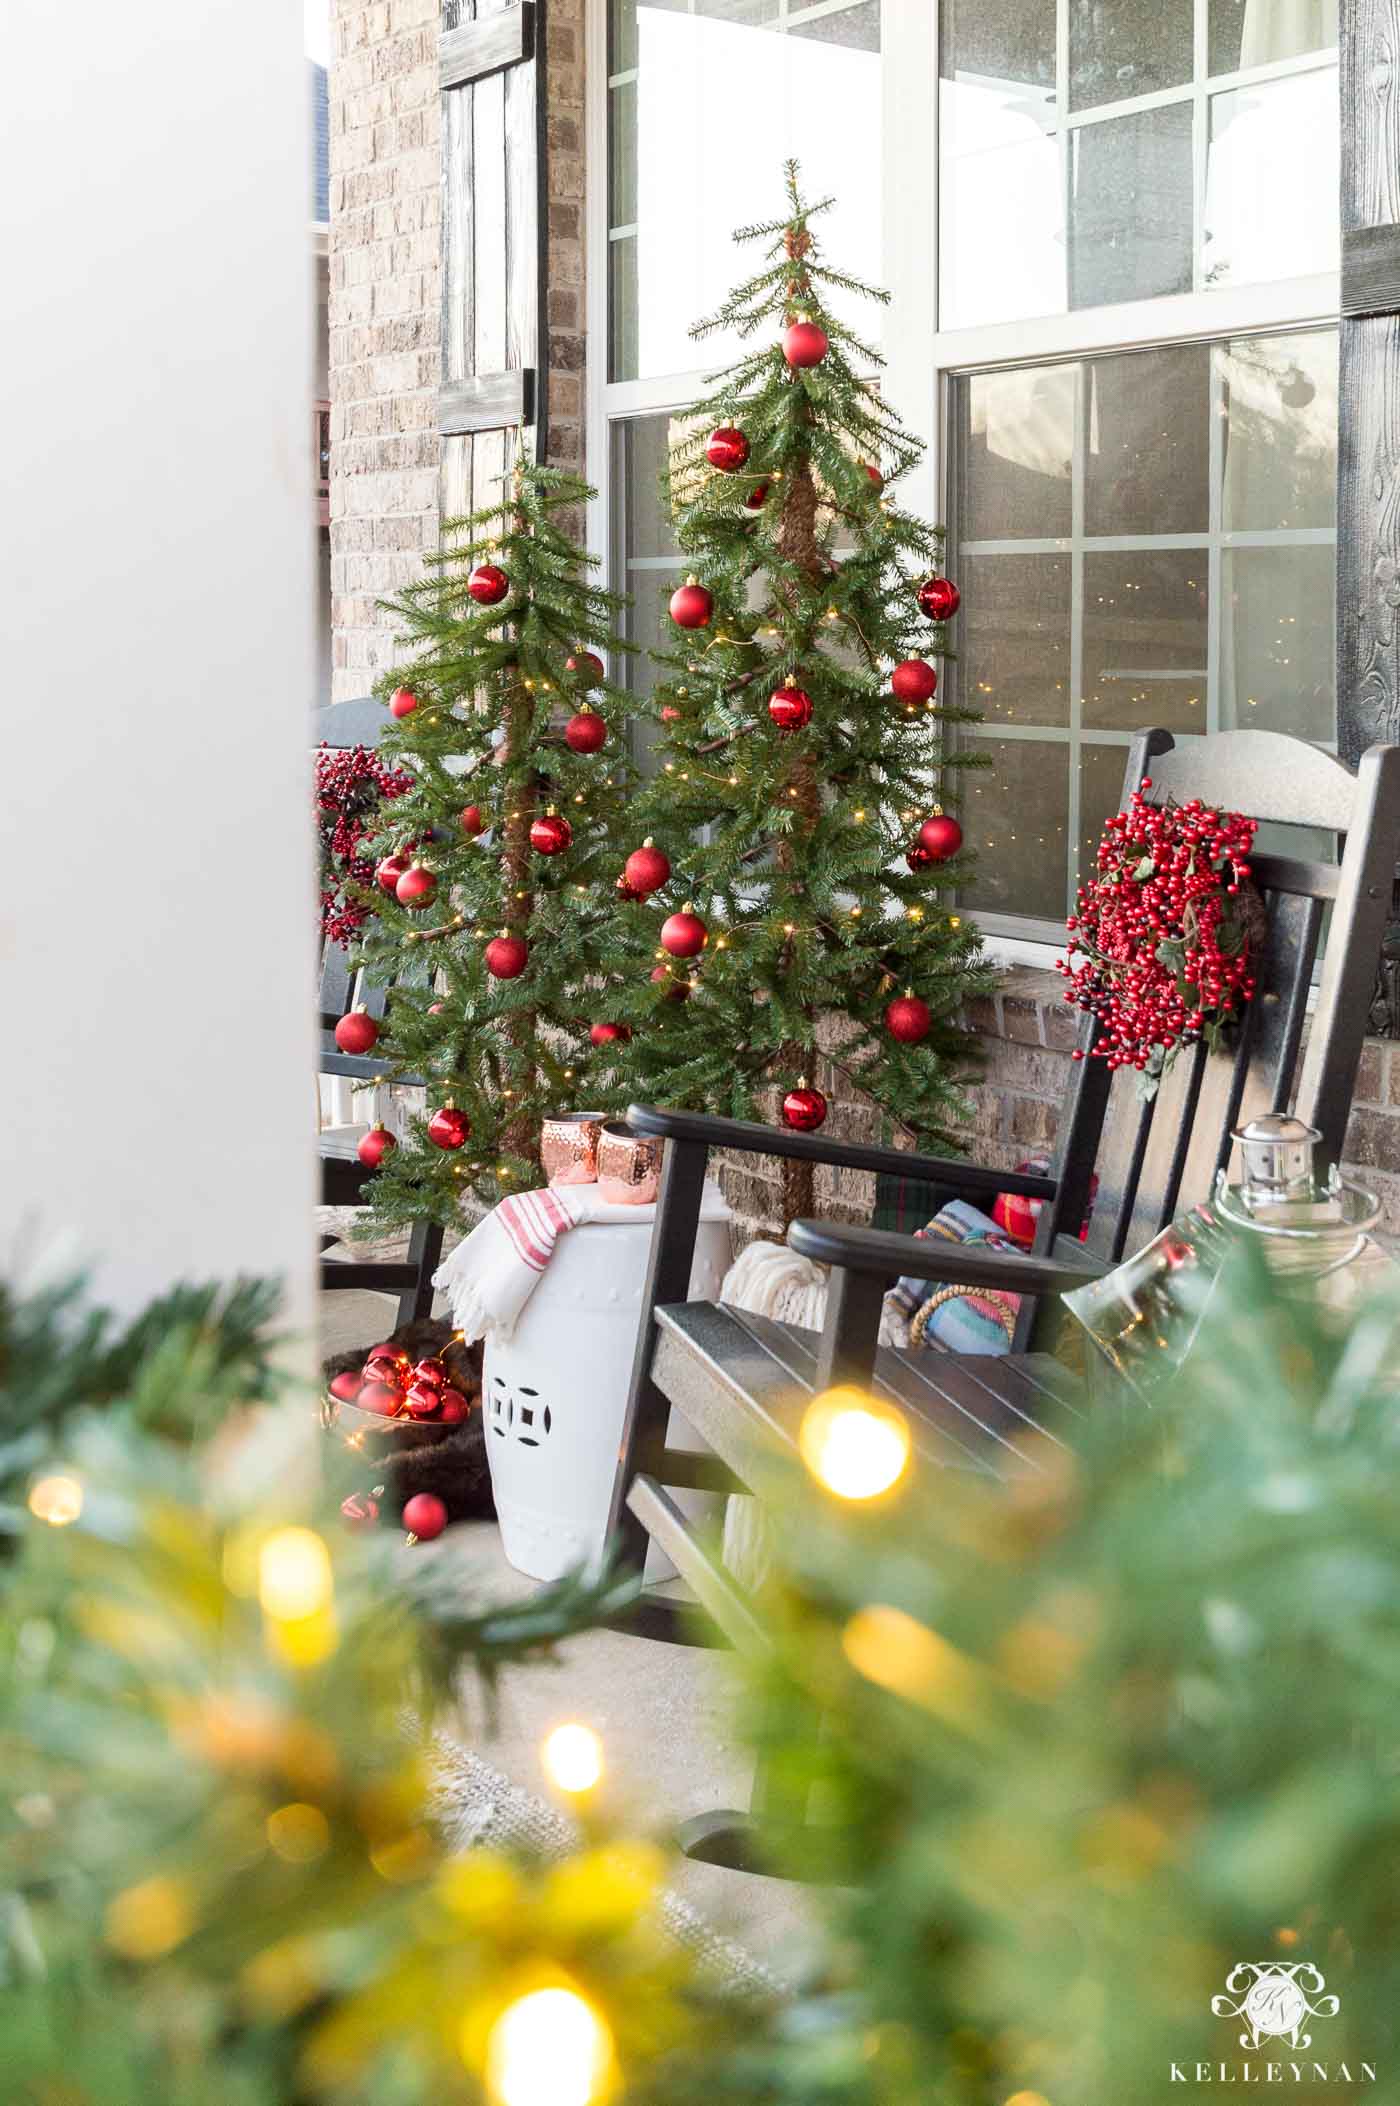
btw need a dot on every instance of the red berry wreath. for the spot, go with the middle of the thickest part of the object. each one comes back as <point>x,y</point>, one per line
<point>351,784</point>
<point>1168,929</point>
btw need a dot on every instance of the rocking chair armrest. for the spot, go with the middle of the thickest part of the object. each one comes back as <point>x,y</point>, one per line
<point>890,1257</point>
<point>748,1138</point>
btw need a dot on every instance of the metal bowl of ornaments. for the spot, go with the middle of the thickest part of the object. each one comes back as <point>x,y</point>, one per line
<point>395,1402</point>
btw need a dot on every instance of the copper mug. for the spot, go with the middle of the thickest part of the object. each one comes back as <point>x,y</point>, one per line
<point>629,1165</point>
<point>569,1148</point>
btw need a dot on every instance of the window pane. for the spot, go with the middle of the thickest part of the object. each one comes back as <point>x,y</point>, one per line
<point>1277,640</point>
<point>1101,773</point>
<point>682,169</point>
<point>1256,32</point>
<point>1015,634</point>
<point>1145,639</point>
<point>1120,48</point>
<point>1015,453</point>
<point>1001,242</point>
<point>1271,181</point>
<point>1130,207</point>
<point>1015,815</point>
<point>646,520</point>
<point>1279,399</point>
<point>1147,463</point>
<point>622,305</point>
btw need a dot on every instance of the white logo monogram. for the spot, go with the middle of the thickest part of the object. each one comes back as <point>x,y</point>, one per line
<point>1272,1997</point>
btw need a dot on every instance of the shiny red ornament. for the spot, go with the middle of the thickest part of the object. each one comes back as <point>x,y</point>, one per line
<point>676,990</point>
<point>402,702</point>
<point>416,887</point>
<point>550,835</point>
<point>345,1387</point>
<point>670,714</point>
<point>448,1127</point>
<point>453,1407</point>
<point>586,732</point>
<point>586,666</point>
<point>488,585</point>
<point>389,1351</point>
<point>757,498</point>
<point>472,823</point>
<point>378,1369</point>
<point>609,1034</point>
<point>505,957</point>
<point>360,1510</point>
<point>875,476</point>
<point>432,1370</point>
<point>914,681</point>
<point>941,836</point>
<point>357,1032</point>
<point>425,1516</point>
<point>684,935</point>
<point>389,872</point>
<point>790,707</point>
<point>918,857</point>
<point>625,891</point>
<point>804,1109</point>
<point>908,1019</point>
<point>939,599</point>
<point>691,605</point>
<point>384,1399</point>
<point>376,1144</point>
<point>646,869</point>
<point>421,1400</point>
<point>805,344</point>
<point>728,449</point>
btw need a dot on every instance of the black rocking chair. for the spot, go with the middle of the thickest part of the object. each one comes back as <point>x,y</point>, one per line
<point>743,1382</point>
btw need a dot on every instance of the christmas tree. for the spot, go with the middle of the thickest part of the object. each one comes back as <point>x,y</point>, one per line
<point>799,831</point>
<point>496,919</point>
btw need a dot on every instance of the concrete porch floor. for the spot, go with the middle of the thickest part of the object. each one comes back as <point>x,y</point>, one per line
<point>663,1712</point>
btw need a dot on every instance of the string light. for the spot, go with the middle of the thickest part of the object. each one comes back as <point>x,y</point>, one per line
<point>572,1756</point>
<point>294,1574</point>
<point>853,1444</point>
<point>549,2048</point>
<point>57,1500</point>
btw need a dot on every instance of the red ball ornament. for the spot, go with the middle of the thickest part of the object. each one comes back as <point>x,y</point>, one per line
<point>453,1407</point>
<point>586,732</point>
<point>646,869</point>
<point>941,836</point>
<point>609,1034</point>
<point>389,872</point>
<point>360,1510</point>
<point>918,857</point>
<point>790,707</point>
<point>377,1143</point>
<point>914,681</point>
<point>432,1371</point>
<point>488,585</point>
<point>384,1399</point>
<point>691,605</point>
<point>421,1400</point>
<point>395,1354</point>
<point>805,344</point>
<point>684,935</point>
<point>357,1032</point>
<point>670,714</point>
<point>676,990</point>
<point>728,449</point>
<point>550,835</point>
<point>939,599</point>
<point>625,891</point>
<point>757,498</point>
<point>345,1387</point>
<point>378,1369</point>
<point>416,887</point>
<point>472,822</point>
<point>402,702</point>
<point>449,1128</point>
<point>425,1516</point>
<point>804,1109</point>
<point>908,1019</point>
<point>586,666</point>
<point>505,957</point>
<point>875,476</point>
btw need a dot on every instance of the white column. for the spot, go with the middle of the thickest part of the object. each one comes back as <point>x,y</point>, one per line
<point>156,643</point>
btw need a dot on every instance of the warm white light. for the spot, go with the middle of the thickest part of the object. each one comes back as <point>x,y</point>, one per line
<point>57,1500</point>
<point>294,1574</point>
<point>852,1444</point>
<point>549,2049</point>
<point>573,1758</point>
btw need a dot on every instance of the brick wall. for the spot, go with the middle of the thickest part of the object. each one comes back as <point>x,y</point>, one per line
<point>564,177</point>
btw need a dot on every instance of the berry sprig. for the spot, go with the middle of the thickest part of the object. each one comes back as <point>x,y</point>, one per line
<point>351,784</point>
<point>1167,930</point>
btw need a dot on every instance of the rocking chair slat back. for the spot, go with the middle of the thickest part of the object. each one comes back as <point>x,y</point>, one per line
<point>1151,1158</point>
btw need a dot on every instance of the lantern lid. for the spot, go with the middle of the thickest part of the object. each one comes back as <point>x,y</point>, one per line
<point>1280,1127</point>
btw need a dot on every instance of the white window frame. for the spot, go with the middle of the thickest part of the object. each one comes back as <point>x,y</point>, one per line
<point>922,360</point>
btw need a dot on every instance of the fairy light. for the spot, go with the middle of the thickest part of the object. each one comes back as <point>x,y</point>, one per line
<point>853,1444</point>
<point>58,1500</point>
<point>572,1756</point>
<point>549,2048</point>
<point>294,1574</point>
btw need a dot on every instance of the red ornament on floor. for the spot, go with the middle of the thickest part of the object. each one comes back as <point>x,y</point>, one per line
<point>550,835</point>
<point>425,1516</point>
<point>805,344</point>
<point>728,449</point>
<point>586,732</point>
<point>757,498</point>
<point>586,666</point>
<point>909,1019</point>
<point>941,836</point>
<point>449,1128</point>
<point>402,702</point>
<point>691,605</point>
<point>914,681</point>
<point>676,990</point>
<point>357,1032</point>
<point>646,869</point>
<point>610,1034</point>
<point>790,707</point>
<point>389,872</point>
<point>488,585</point>
<point>939,599</point>
<point>472,821</point>
<point>416,887</point>
<point>360,1510</point>
<point>377,1143</point>
<point>505,956</point>
<point>804,1109</point>
<point>684,935</point>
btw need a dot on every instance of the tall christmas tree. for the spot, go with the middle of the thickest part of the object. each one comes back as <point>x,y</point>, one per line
<point>801,845</point>
<point>496,920</point>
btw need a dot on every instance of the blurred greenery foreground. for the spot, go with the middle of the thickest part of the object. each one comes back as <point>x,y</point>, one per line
<point>1076,1752</point>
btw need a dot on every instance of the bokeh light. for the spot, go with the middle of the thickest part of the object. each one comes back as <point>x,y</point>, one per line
<point>853,1444</point>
